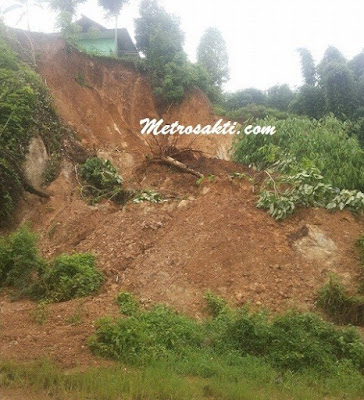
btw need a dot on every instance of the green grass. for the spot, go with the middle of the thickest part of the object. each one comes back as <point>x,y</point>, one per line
<point>250,379</point>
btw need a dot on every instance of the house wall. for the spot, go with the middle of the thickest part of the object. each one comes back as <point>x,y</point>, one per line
<point>104,46</point>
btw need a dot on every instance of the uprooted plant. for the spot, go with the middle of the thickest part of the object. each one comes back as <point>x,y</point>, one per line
<point>166,150</point>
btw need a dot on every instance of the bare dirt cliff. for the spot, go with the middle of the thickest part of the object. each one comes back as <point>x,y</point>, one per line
<point>207,237</point>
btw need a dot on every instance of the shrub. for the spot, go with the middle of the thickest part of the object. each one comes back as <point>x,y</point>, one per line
<point>301,341</point>
<point>19,258</point>
<point>127,303</point>
<point>292,341</point>
<point>340,306</point>
<point>101,181</point>
<point>71,276</point>
<point>146,336</point>
<point>324,145</point>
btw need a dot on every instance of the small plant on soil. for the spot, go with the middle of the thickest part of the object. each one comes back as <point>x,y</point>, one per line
<point>295,342</point>
<point>19,258</point>
<point>64,278</point>
<point>127,303</point>
<point>101,180</point>
<point>148,195</point>
<point>71,276</point>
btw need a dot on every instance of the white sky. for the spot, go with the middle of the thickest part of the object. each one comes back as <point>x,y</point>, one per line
<point>261,35</point>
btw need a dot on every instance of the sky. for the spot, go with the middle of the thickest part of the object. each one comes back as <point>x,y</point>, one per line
<point>262,36</point>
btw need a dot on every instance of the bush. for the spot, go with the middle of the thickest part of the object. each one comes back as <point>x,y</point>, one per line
<point>301,341</point>
<point>127,303</point>
<point>306,188</point>
<point>101,181</point>
<point>66,277</point>
<point>324,145</point>
<point>146,336</point>
<point>71,276</point>
<point>19,258</point>
<point>292,341</point>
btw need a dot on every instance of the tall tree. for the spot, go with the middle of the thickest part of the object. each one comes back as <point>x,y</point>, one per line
<point>212,54</point>
<point>160,38</point>
<point>66,10</point>
<point>331,55</point>
<point>280,96</point>
<point>338,83</point>
<point>242,98</point>
<point>113,8</point>
<point>157,32</point>
<point>24,6</point>
<point>308,67</point>
<point>357,65</point>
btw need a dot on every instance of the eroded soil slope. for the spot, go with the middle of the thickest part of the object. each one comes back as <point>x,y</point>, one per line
<point>206,237</point>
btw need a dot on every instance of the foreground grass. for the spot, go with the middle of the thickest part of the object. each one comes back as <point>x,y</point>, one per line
<point>199,378</point>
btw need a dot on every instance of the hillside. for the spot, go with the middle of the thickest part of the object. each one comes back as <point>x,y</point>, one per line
<point>206,237</point>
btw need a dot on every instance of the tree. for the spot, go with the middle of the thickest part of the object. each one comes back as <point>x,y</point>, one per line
<point>338,84</point>
<point>280,96</point>
<point>242,98</point>
<point>66,10</point>
<point>212,54</point>
<point>310,100</point>
<point>113,8</point>
<point>160,38</point>
<point>332,54</point>
<point>357,65</point>
<point>308,67</point>
<point>157,32</point>
<point>24,6</point>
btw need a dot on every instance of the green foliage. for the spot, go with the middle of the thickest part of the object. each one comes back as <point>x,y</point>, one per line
<point>279,97</point>
<point>349,199</point>
<point>322,144</point>
<point>308,153</point>
<point>71,276</point>
<point>341,307</point>
<point>306,188</point>
<point>113,7</point>
<point>212,55</point>
<point>147,195</point>
<point>215,304</point>
<point>19,258</point>
<point>243,98</point>
<point>127,303</point>
<point>308,67</point>
<point>25,110</point>
<point>291,342</point>
<point>310,100</point>
<point>100,180</point>
<point>338,85</point>
<point>146,336</point>
<point>160,38</point>
<point>64,278</point>
<point>252,112</point>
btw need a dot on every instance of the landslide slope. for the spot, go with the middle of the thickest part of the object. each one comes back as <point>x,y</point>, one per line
<point>207,237</point>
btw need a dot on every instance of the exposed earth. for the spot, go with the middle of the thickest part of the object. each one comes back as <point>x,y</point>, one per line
<point>203,237</point>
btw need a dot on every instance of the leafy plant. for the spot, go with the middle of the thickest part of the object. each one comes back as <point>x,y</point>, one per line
<point>71,276</point>
<point>127,303</point>
<point>101,181</point>
<point>290,342</point>
<point>148,195</point>
<point>324,145</point>
<point>146,336</point>
<point>19,258</point>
